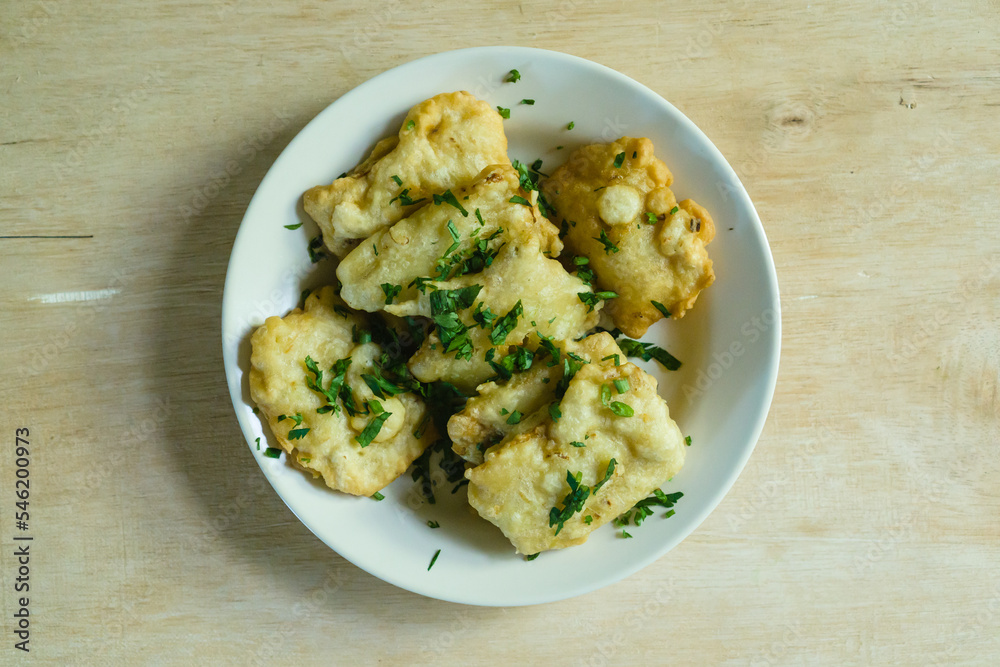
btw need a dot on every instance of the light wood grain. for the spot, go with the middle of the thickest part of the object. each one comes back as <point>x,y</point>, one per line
<point>865,527</point>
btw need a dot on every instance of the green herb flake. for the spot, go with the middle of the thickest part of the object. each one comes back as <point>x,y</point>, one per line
<point>607,475</point>
<point>625,533</point>
<point>619,160</point>
<point>674,210</point>
<point>588,519</point>
<point>448,197</point>
<point>503,326</point>
<point>621,409</point>
<point>647,351</point>
<point>398,180</point>
<point>390,291</point>
<point>554,411</point>
<point>434,559</point>
<point>377,496</point>
<point>590,299</point>
<point>272,453</point>
<point>258,444</point>
<point>660,307</point>
<point>517,199</point>
<point>295,226</point>
<point>577,443</point>
<point>514,418</point>
<point>531,557</point>
<point>571,125</point>
<point>621,385</point>
<point>528,102</point>
<point>687,440</point>
<point>433,524</point>
<point>513,77</point>
<point>298,433</point>
<point>650,218</point>
<point>504,113</point>
<point>372,429</point>
<point>410,124</point>
<point>572,503</point>
<point>559,148</point>
<point>609,246</point>
<point>616,357</point>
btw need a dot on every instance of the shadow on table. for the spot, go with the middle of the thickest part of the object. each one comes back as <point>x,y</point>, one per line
<point>240,514</point>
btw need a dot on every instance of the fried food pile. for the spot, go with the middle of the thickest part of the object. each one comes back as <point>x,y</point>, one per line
<point>465,325</point>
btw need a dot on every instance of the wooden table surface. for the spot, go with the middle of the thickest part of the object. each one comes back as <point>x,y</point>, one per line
<point>865,528</point>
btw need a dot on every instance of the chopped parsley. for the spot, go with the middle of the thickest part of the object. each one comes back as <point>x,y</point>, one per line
<point>316,252</point>
<point>258,444</point>
<point>518,199</point>
<point>554,411</point>
<point>619,160</point>
<point>660,307</point>
<point>295,226</point>
<point>272,453</point>
<point>531,557</point>
<point>504,113</point>
<point>377,496</point>
<point>607,475</point>
<point>479,218</point>
<point>337,388</point>
<point>410,124</point>
<point>621,409</point>
<point>434,559</point>
<point>375,249</point>
<point>572,503</point>
<point>588,519</point>
<point>643,509</point>
<point>298,433</point>
<point>609,246</point>
<point>514,418</point>
<point>528,102</point>
<point>687,440</point>
<point>513,77</point>
<point>405,199</point>
<point>571,125</point>
<point>647,351</point>
<point>503,326</point>
<point>454,334</point>
<point>590,299</point>
<point>371,430</point>
<point>433,524</point>
<point>577,443</point>
<point>390,291</point>
<point>448,197</point>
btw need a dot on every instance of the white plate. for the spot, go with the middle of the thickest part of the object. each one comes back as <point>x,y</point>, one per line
<point>729,342</point>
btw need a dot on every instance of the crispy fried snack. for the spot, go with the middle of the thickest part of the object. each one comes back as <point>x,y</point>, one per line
<point>325,440</point>
<point>525,476</point>
<point>422,247</point>
<point>485,420</point>
<point>444,143</point>
<point>520,292</point>
<point>642,244</point>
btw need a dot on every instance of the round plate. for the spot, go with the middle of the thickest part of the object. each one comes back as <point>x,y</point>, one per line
<point>729,343</point>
